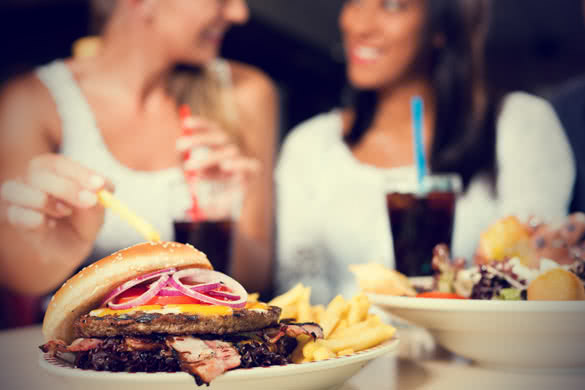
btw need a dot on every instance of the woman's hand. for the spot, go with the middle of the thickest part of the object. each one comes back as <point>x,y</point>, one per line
<point>55,196</point>
<point>212,153</point>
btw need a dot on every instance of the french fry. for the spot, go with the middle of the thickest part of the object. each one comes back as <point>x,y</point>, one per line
<point>108,200</point>
<point>289,312</point>
<point>323,353</point>
<point>359,306</point>
<point>347,326</point>
<point>289,298</point>
<point>297,355</point>
<point>318,312</point>
<point>304,312</point>
<point>309,350</point>
<point>336,308</point>
<point>346,352</point>
<point>371,322</point>
<point>253,297</point>
<point>341,326</point>
<point>367,338</point>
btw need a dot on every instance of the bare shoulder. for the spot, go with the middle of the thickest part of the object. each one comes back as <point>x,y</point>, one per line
<point>252,87</point>
<point>26,105</point>
<point>29,124</point>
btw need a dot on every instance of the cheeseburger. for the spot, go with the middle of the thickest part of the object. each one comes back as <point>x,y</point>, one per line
<point>160,307</point>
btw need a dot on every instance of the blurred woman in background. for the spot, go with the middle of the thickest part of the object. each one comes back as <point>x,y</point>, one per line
<point>335,169</point>
<point>77,126</point>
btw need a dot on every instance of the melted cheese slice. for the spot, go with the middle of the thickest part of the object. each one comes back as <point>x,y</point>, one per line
<point>202,310</point>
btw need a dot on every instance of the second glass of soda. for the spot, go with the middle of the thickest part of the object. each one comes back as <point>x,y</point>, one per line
<point>421,216</point>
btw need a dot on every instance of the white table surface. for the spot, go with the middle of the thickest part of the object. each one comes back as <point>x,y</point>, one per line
<point>19,370</point>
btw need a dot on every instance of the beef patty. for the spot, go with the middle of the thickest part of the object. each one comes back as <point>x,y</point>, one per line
<point>141,323</point>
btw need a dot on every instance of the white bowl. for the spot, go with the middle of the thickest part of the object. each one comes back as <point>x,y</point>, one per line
<point>501,334</point>
<point>327,374</point>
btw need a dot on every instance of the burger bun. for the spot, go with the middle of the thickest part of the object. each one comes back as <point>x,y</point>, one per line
<point>87,289</point>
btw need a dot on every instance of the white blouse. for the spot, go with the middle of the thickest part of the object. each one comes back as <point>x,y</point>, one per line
<point>331,209</point>
<point>158,196</point>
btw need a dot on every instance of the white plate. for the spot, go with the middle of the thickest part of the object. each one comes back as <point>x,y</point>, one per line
<point>327,374</point>
<point>504,334</point>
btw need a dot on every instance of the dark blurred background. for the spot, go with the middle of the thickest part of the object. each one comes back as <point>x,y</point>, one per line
<point>534,45</point>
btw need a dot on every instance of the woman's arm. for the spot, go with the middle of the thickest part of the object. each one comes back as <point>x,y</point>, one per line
<point>46,229</point>
<point>536,168</point>
<point>258,105</point>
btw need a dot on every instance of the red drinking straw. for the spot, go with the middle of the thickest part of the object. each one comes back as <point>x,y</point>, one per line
<point>195,213</point>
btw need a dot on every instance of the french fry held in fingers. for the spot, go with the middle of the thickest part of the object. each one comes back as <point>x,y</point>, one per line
<point>347,325</point>
<point>108,200</point>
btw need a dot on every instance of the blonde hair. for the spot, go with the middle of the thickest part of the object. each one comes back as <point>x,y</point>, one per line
<point>207,90</point>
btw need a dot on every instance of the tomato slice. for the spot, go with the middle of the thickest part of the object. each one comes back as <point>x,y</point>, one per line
<point>130,294</point>
<point>135,292</point>
<point>179,300</point>
<point>439,295</point>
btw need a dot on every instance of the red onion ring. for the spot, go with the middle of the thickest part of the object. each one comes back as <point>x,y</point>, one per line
<point>142,299</point>
<point>170,291</point>
<point>131,283</point>
<point>203,275</point>
<point>221,294</point>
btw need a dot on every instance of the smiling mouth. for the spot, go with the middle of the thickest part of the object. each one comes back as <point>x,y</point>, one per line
<point>365,54</point>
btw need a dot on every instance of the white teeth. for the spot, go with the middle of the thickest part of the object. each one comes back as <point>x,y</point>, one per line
<point>367,53</point>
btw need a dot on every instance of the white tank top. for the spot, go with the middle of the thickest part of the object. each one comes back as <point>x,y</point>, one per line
<point>154,195</point>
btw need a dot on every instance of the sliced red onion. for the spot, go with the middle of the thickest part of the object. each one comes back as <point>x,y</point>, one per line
<point>205,276</point>
<point>222,294</point>
<point>142,299</point>
<point>170,291</point>
<point>131,283</point>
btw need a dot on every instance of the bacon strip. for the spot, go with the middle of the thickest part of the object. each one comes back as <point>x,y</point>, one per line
<point>205,359</point>
<point>294,330</point>
<point>136,344</point>
<point>78,345</point>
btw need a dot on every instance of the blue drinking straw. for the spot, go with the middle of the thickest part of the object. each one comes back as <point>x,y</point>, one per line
<point>417,111</point>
